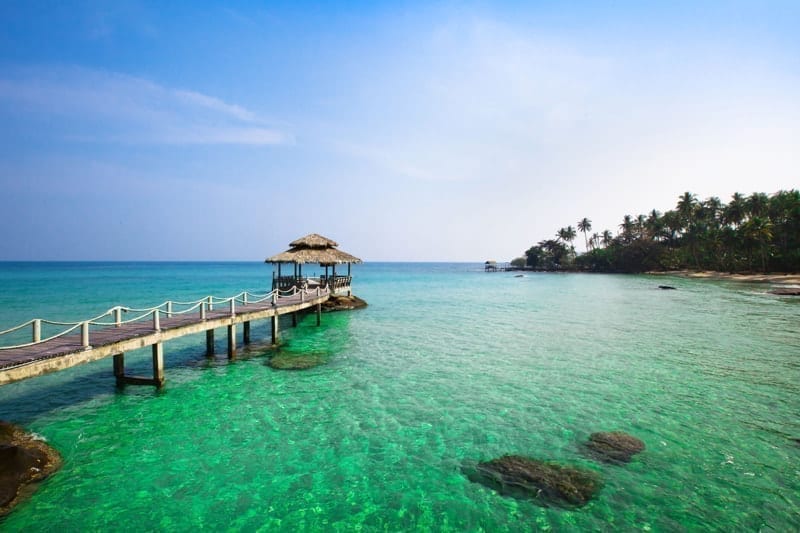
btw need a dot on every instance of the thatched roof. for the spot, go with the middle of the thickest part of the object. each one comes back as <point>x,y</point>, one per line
<point>313,249</point>
<point>314,240</point>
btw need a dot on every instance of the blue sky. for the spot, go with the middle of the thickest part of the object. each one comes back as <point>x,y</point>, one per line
<point>405,131</point>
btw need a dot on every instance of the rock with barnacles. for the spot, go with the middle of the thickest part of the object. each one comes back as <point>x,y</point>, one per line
<point>613,446</point>
<point>288,361</point>
<point>544,482</point>
<point>25,460</point>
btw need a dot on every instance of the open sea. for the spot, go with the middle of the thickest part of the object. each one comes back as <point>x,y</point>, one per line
<point>447,366</point>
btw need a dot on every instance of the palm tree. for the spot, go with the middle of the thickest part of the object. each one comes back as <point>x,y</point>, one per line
<point>687,203</point>
<point>627,228</point>
<point>585,226</point>
<point>654,225</point>
<point>594,240</point>
<point>757,204</point>
<point>640,222</point>
<point>758,230</point>
<point>734,212</point>
<point>566,234</point>
<point>687,207</point>
<point>607,238</point>
<point>570,234</point>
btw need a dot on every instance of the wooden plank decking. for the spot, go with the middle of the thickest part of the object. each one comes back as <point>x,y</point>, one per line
<point>69,350</point>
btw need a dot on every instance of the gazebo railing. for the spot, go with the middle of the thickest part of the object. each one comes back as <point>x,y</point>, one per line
<point>335,283</point>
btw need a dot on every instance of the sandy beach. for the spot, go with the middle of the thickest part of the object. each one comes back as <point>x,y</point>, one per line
<point>783,279</point>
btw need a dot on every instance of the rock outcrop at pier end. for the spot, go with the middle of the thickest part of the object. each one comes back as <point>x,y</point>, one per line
<point>342,303</point>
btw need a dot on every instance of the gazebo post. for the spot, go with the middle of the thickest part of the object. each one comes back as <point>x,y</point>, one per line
<point>349,281</point>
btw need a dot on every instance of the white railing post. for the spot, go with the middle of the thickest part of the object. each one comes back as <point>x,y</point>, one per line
<point>37,330</point>
<point>275,297</point>
<point>210,303</point>
<point>156,323</point>
<point>117,316</point>
<point>318,291</point>
<point>303,296</point>
<point>233,306</point>
<point>244,298</point>
<point>202,311</point>
<point>85,335</point>
<point>169,309</point>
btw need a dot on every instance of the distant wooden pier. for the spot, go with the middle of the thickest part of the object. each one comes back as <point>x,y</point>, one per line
<point>494,266</point>
<point>109,335</point>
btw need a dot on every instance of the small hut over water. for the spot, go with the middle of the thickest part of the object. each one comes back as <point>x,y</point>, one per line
<point>313,249</point>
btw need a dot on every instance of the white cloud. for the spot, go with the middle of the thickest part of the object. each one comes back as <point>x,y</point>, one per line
<point>92,105</point>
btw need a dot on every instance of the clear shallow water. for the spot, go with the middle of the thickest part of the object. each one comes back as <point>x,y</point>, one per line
<point>447,366</point>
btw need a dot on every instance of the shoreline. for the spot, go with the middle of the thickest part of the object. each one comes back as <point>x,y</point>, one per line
<point>781,279</point>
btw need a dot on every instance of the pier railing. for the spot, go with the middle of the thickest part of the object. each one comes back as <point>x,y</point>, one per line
<point>119,315</point>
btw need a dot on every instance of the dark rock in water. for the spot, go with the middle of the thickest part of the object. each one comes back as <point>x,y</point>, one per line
<point>546,483</point>
<point>786,292</point>
<point>796,441</point>
<point>24,461</point>
<point>667,287</point>
<point>296,362</point>
<point>343,303</point>
<point>614,446</point>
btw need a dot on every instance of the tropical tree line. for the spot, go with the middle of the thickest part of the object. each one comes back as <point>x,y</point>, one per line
<point>759,232</point>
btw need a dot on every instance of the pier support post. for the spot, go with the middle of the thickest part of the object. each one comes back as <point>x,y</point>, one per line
<point>209,342</point>
<point>246,332</point>
<point>158,364</point>
<point>85,336</point>
<point>275,331</point>
<point>231,341</point>
<point>319,314</point>
<point>119,368</point>
<point>294,319</point>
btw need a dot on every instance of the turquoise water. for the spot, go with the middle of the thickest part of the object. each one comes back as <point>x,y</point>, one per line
<point>447,366</point>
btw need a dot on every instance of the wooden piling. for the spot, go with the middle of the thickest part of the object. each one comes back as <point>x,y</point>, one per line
<point>246,332</point>
<point>231,341</point>
<point>119,368</point>
<point>319,314</point>
<point>158,364</point>
<point>210,342</point>
<point>275,329</point>
<point>294,319</point>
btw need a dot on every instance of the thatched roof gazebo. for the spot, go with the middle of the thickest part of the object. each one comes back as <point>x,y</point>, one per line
<point>314,249</point>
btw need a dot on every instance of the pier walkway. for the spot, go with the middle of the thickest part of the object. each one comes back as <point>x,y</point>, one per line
<point>109,335</point>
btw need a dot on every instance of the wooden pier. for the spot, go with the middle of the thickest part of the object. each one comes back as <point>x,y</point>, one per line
<point>109,335</point>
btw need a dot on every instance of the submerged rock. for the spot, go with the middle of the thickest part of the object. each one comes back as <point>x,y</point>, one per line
<point>545,483</point>
<point>786,292</point>
<point>614,446</point>
<point>667,287</point>
<point>24,461</point>
<point>343,303</point>
<point>296,362</point>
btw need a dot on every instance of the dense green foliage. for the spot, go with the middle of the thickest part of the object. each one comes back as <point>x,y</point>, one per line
<point>756,232</point>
